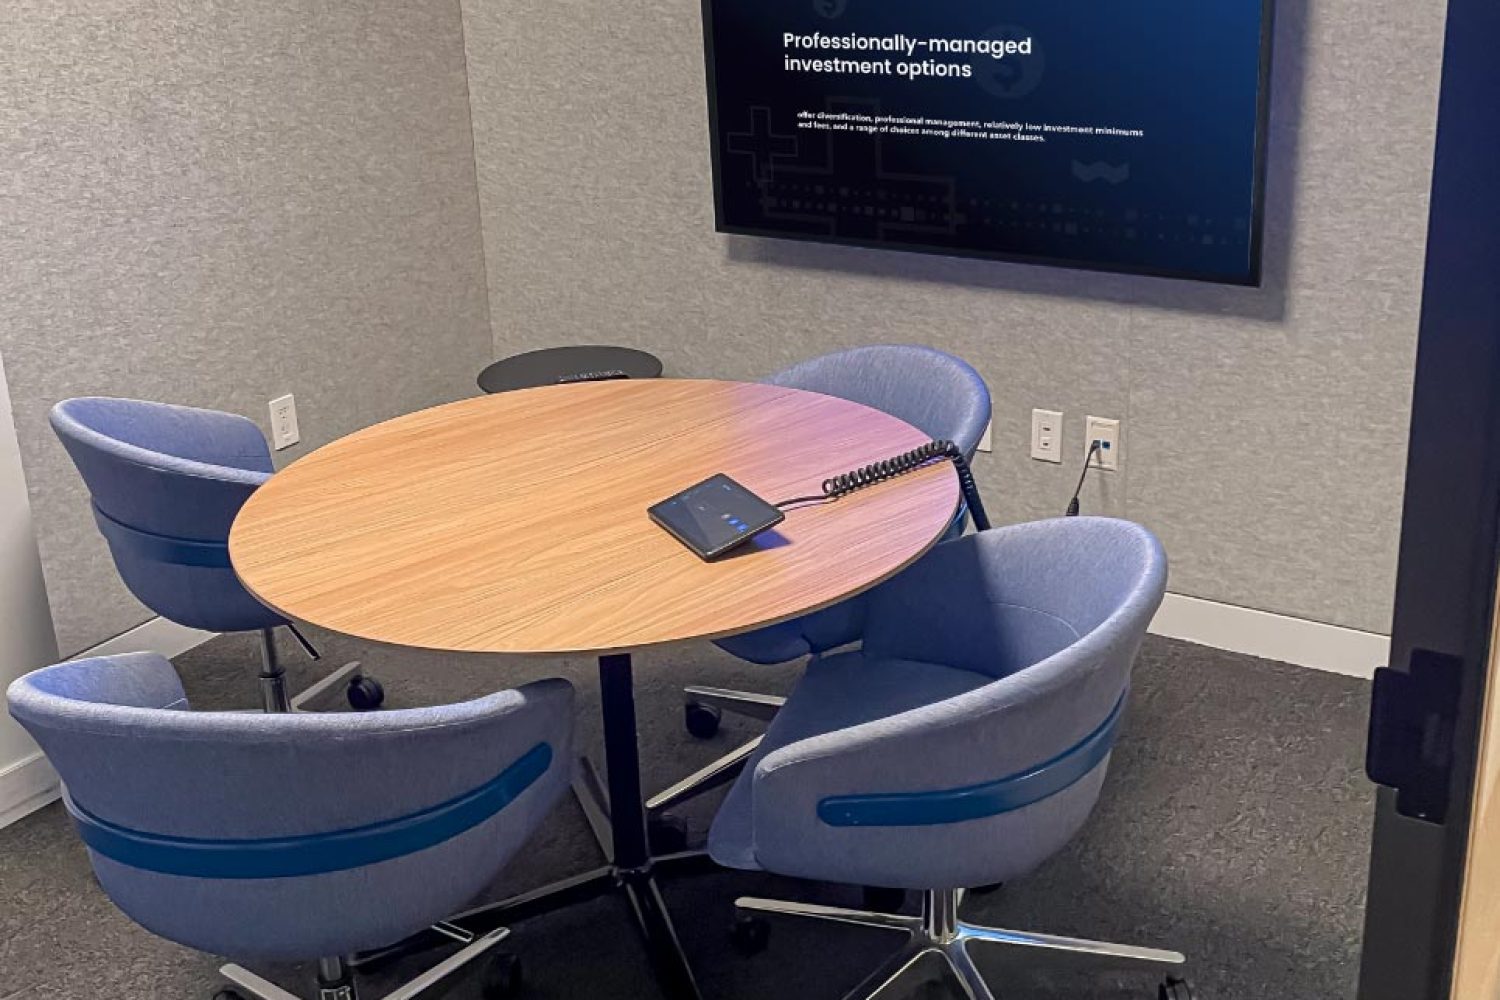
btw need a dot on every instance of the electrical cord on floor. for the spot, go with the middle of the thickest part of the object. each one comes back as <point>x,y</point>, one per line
<point>1088,460</point>
<point>899,465</point>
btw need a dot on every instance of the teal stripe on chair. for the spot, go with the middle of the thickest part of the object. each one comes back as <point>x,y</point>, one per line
<point>954,805</point>
<point>315,854</point>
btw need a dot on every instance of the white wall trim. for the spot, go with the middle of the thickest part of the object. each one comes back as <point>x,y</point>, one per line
<point>25,787</point>
<point>1271,636</point>
<point>30,783</point>
<point>155,636</point>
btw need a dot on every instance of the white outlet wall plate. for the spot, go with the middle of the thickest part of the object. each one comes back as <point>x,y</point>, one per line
<point>1046,435</point>
<point>284,430</point>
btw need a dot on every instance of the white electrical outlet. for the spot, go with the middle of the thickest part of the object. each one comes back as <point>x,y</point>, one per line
<point>1107,433</point>
<point>1046,435</point>
<point>284,431</point>
<point>985,442</point>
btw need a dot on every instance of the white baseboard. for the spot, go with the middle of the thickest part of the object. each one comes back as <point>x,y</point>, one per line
<point>1271,636</point>
<point>30,783</point>
<point>25,787</point>
<point>155,636</point>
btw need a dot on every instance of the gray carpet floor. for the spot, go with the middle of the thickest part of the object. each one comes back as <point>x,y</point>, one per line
<point>1234,827</point>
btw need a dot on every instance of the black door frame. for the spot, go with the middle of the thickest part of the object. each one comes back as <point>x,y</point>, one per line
<point>1425,727</point>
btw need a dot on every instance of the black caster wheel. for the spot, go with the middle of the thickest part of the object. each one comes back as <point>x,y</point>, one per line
<point>229,994</point>
<point>702,720</point>
<point>750,934</point>
<point>1176,989</point>
<point>502,977</point>
<point>985,890</point>
<point>883,900</point>
<point>365,694</point>
<point>667,833</point>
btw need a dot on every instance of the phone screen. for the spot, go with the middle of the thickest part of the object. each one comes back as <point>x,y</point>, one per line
<point>715,515</point>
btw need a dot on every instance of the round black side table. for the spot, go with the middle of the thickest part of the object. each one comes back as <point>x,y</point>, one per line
<point>561,365</point>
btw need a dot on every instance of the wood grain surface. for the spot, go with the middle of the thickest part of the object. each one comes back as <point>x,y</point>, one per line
<point>1476,974</point>
<point>517,523</point>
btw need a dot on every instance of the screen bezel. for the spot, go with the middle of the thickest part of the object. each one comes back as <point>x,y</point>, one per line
<point>1252,279</point>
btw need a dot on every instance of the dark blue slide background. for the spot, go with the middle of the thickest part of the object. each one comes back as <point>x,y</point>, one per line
<point>1183,200</point>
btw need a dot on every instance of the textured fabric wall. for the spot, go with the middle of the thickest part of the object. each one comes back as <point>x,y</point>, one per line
<point>1264,429</point>
<point>215,203</point>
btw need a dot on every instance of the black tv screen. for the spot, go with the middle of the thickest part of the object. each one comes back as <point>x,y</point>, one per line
<point>1084,133</point>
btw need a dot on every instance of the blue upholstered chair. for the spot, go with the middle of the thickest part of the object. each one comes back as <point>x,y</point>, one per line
<point>166,483</point>
<point>937,393</point>
<point>964,744</point>
<point>292,836</point>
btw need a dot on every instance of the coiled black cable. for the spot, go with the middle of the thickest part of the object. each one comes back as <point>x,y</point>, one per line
<point>899,465</point>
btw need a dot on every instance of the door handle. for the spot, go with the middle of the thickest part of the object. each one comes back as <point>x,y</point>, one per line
<point>1410,744</point>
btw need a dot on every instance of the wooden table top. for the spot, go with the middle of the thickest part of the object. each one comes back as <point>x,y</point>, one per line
<point>517,523</point>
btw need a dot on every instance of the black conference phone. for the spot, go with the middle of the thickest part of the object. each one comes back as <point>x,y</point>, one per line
<point>715,515</point>
<point>719,514</point>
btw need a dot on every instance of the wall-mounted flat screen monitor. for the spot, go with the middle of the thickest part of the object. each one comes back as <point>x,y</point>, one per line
<point>1083,133</point>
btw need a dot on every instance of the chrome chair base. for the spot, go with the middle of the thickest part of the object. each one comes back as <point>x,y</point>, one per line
<point>728,767</point>
<point>336,984</point>
<point>340,678</point>
<point>272,679</point>
<point>939,933</point>
<point>747,703</point>
<point>719,772</point>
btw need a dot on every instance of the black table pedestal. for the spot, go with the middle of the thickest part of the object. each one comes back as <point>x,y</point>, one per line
<point>620,826</point>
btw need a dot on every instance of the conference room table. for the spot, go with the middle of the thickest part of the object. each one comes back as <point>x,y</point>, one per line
<point>516,524</point>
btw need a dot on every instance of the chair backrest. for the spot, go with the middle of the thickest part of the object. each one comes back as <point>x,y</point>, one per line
<point>292,835</point>
<point>939,394</point>
<point>1020,594</point>
<point>981,786</point>
<point>166,483</point>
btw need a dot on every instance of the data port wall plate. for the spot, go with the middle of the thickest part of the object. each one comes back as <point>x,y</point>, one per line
<point>1107,432</point>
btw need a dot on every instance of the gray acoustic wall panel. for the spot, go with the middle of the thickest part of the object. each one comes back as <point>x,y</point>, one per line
<point>1264,428</point>
<point>216,203</point>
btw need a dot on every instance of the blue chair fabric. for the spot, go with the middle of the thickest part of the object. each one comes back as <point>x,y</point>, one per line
<point>166,483</point>
<point>967,740</point>
<point>291,836</point>
<point>936,392</point>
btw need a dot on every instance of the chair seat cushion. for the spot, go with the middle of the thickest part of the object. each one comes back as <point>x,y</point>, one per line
<point>835,693</point>
<point>780,643</point>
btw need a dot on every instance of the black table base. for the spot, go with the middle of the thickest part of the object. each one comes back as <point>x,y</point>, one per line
<point>619,825</point>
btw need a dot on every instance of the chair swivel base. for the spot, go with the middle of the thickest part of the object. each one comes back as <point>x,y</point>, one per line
<point>750,704</point>
<point>363,693</point>
<point>939,933</point>
<point>707,703</point>
<point>335,983</point>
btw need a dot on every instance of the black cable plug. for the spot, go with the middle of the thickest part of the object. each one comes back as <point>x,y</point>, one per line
<point>1088,460</point>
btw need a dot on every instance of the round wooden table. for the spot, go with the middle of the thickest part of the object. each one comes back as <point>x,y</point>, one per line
<point>517,524</point>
